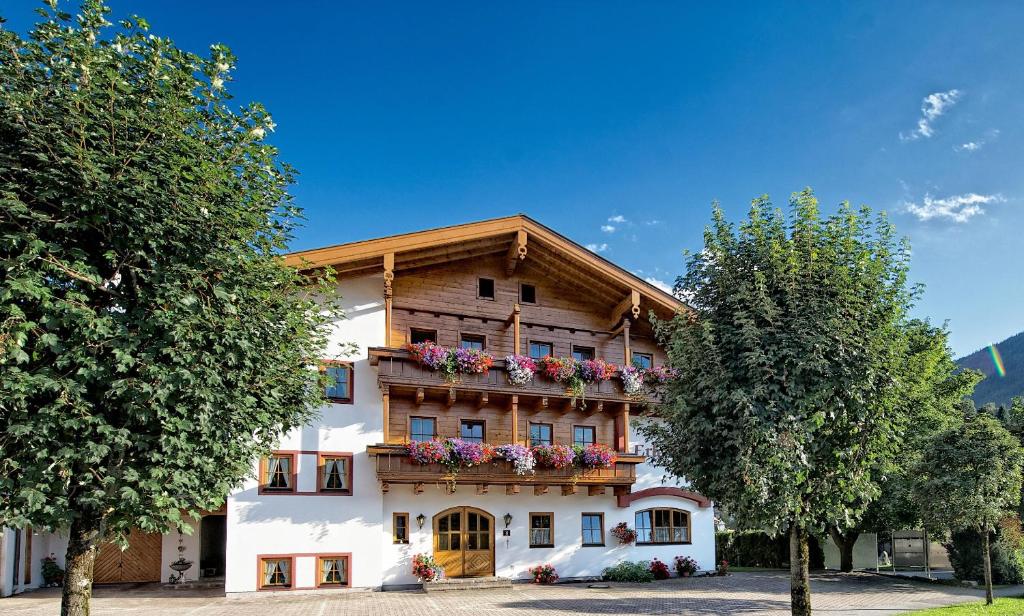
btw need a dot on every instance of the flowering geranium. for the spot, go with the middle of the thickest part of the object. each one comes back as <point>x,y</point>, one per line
<point>468,453</point>
<point>596,456</point>
<point>450,362</point>
<point>520,369</point>
<point>559,369</point>
<point>426,569</point>
<point>624,533</point>
<point>519,455</point>
<point>595,370</point>
<point>543,574</point>
<point>659,569</point>
<point>428,354</point>
<point>554,456</point>
<point>685,566</point>
<point>472,361</point>
<point>658,375</point>
<point>632,380</point>
<point>428,452</point>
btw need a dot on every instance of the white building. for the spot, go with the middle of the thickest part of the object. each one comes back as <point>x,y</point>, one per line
<point>340,504</point>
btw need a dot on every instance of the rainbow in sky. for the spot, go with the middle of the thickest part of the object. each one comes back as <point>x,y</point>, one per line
<point>997,360</point>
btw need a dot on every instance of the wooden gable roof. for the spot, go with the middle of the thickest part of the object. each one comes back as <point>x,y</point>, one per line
<point>518,237</point>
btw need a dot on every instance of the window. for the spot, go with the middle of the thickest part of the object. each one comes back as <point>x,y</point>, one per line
<point>339,382</point>
<point>581,353</point>
<point>662,526</point>
<point>584,435</point>
<point>422,429</point>
<point>416,335</point>
<point>542,529</point>
<point>541,349</point>
<point>527,294</point>
<point>335,474</point>
<point>643,360</point>
<point>540,434</point>
<point>278,473</point>
<point>400,528</point>
<point>485,288</point>
<point>472,341</point>
<point>276,572</point>
<point>332,571</point>
<point>593,529</point>
<point>472,430</point>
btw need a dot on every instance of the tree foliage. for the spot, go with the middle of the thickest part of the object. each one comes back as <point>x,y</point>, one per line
<point>787,397</point>
<point>969,476</point>
<point>152,342</point>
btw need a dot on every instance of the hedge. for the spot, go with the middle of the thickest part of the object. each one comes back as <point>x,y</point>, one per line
<point>759,549</point>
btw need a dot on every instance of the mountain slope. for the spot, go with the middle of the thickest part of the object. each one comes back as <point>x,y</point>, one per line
<point>995,388</point>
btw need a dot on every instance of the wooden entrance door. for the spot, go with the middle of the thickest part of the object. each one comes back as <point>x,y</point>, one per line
<point>139,563</point>
<point>464,542</point>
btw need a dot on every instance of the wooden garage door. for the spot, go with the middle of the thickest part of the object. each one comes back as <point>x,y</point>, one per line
<point>139,563</point>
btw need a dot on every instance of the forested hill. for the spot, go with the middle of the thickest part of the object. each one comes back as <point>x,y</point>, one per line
<point>995,388</point>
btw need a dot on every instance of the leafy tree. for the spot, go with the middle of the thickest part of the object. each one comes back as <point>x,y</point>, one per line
<point>933,390</point>
<point>786,401</point>
<point>152,343</point>
<point>970,478</point>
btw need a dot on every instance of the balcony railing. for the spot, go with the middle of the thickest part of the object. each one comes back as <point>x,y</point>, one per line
<point>394,466</point>
<point>397,367</point>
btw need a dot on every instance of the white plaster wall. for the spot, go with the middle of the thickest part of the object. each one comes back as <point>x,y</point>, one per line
<point>280,524</point>
<point>169,552</point>
<point>513,555</point>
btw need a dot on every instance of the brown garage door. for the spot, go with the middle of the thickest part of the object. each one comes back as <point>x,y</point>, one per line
<point>139,563</point>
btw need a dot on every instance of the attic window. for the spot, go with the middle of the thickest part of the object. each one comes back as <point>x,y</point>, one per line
<point>485,288</point>
<point>527,294</point>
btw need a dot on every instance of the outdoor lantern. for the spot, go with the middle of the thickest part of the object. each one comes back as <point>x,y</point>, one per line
<point>420,519</point>
<point>508,519</point>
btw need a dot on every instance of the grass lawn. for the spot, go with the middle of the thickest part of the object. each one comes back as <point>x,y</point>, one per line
<point>1002,607</point>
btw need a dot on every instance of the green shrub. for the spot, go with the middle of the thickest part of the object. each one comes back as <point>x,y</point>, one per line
<point>965,554</point>
<point>759,549</point>
<point>627,571</point>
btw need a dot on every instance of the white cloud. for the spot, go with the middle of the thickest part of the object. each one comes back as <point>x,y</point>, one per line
<point>597,247</point>
<point>608,228</point>
<point>958,208</point>
<point>651,223</point>
<point>661,284</point>
<point>974,146</point>
<point>618,218</point>
<point>932,108</point>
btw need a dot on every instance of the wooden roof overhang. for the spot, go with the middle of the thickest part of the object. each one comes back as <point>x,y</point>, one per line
<point>518,237</point>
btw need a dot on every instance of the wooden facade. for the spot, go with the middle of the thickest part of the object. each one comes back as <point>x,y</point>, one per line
<point>502,284</point>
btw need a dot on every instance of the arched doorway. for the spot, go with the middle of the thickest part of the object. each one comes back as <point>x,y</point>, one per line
<point>464,542</point>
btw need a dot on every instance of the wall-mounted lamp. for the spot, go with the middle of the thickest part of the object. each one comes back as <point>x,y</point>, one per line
<point>420,519</point>
<point>508,519</point>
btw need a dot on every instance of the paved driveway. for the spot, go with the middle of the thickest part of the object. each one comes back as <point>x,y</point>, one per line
<point>741,593</point>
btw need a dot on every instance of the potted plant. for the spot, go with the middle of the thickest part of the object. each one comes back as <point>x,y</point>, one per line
<point>685,566</point>
<point>53,575</point>
<point>659,569</point>
<point>426,569</point>
<point>624,533</point>
<point>543,574</point>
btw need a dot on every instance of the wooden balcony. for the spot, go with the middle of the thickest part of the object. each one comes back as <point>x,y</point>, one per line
<point>394,467</point>
<point>396,367</point>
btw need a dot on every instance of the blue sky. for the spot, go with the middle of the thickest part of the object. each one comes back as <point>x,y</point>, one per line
<point>617,124</point>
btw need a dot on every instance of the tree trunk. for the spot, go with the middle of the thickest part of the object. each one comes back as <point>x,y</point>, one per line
<point>845,542</point>
<point>83,543</point>
<point>799,571</point>
<point>988,566</point>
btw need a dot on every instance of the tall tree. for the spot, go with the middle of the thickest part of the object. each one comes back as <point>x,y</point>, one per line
<point>785,399</point>
<point>152,343</point>
<point>970,478</point>
<point>933,390</point>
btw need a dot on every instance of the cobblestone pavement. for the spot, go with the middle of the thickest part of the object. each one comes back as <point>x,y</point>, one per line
<point>738,594</point>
